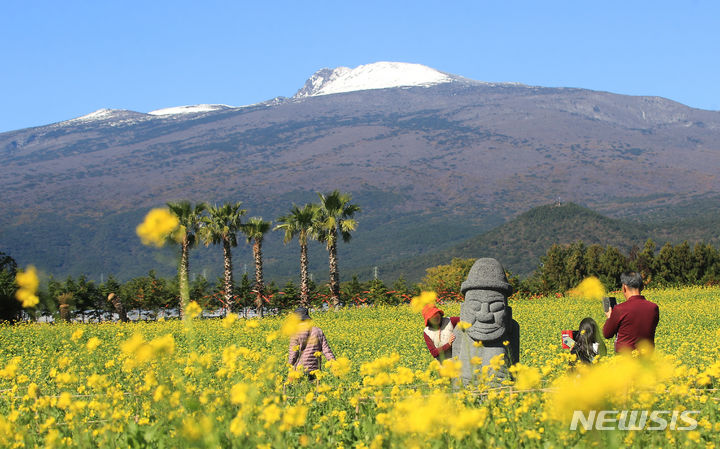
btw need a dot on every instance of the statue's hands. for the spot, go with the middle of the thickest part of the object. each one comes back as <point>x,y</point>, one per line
<point>452,338</point>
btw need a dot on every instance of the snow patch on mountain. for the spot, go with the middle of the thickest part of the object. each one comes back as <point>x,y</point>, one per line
<point>117,117</point>
<point>191,109</point>
<point>380,75</point>
<point>109,116</point>
<point>100,114</point>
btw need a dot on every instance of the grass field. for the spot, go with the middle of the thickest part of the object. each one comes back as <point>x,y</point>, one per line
<point>225,383</point>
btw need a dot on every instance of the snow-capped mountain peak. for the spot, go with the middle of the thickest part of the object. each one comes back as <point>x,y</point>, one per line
<point>380,75</point>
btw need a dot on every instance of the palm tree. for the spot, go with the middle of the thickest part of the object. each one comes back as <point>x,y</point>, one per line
<point>335,215</point>
<point>189,217</point>
<point>299,222</point>
<point>255,230</point>
<point>221,226</point>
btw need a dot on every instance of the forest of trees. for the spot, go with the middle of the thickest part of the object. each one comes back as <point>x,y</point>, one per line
<point>154,296</point>
<point>560,269</point>
<point>564,266</point>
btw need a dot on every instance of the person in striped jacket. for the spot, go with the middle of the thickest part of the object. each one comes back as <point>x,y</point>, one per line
<point>306,344</point>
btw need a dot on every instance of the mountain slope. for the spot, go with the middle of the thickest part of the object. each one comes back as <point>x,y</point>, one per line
<point>431,165</point>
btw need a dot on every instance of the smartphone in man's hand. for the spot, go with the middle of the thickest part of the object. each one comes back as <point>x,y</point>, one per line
<point>609,303</point>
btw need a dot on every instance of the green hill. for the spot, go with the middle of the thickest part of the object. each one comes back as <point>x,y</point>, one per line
<point>694,220</point>
<point>520,242</point>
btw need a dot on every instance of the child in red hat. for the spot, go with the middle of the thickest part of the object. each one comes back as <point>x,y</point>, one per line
<point>438,332</point>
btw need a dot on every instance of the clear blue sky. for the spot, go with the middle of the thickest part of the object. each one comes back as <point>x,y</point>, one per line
<point>64,59</point>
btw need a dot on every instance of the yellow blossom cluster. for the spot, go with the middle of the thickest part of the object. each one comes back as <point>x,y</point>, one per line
<point>229,320</point>
<point>28,283</point>
<point>159,226</point>
<point>589,288</point>
<point>379,365</point>
<point>11,368</point>
<point>340,367</point>
<point>292,325</point>
<point>450,368</point>
<point>611,384</point>
<point>193,309</point>
<point>139,351</point>
<point>433,415</point>
<point>526,377</point>
<point>425,299</point>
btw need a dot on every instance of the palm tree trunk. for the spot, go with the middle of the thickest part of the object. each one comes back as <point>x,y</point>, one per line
<point>259,287</point>
<point>183,276</point>
<point>334,275</point>
<point>228,274</point>
<point>304,300</point>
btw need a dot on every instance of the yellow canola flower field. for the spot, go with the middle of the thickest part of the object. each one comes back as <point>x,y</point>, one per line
<point>226,383</point>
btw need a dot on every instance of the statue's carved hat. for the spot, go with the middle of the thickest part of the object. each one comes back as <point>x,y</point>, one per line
<point>487,274</point>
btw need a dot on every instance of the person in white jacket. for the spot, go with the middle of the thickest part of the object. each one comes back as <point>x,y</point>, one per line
<point>438,332</point>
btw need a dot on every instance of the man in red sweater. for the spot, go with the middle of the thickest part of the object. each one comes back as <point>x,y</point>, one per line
<point>634,320</point>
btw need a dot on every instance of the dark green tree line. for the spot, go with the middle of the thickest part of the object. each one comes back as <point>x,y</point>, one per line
<point>564,266</point>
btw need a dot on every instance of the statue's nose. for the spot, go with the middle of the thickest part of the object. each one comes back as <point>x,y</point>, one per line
<point>484,314</point>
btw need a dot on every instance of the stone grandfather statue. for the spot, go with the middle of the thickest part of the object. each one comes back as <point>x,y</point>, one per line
<point>486,309</point>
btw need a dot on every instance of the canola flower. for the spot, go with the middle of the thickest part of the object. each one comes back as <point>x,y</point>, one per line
<point>616,383</point>
<point>159,226</point>
<point>590,288</point>
<point>193,309</point>
<point>526,377</point>
<point>229,320</point>
<point>93,343</point>
<point>219,384</point>
<point>433,416</point>
<point>28,283</point>
<point>239,393</point>
<point>340,367</point>
<point>77,335</point>
<point>139,351</point>
<point>293,416</point>
<point>424,299</point>
<point>291,325</point>
<point>450,368</point>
